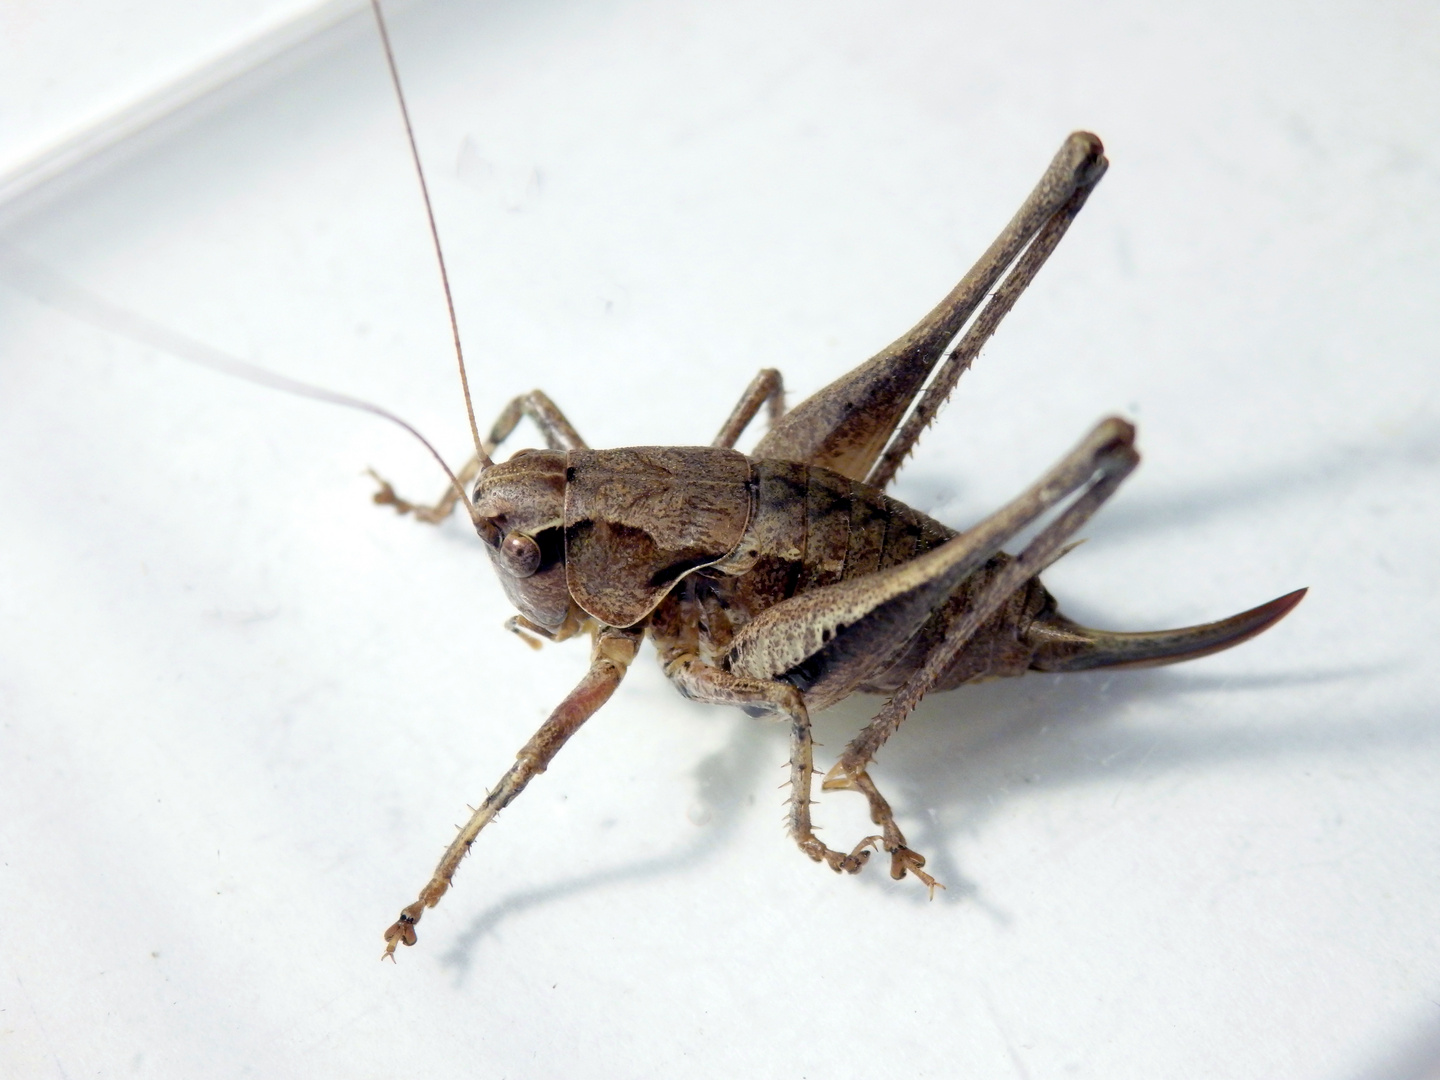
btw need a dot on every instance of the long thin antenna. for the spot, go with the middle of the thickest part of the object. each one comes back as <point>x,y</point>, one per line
<point>33,278</point>
<point>483,457</point>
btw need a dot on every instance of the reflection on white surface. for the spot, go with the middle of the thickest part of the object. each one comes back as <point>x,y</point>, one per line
<point>242,709</point>
<point>80,76</point>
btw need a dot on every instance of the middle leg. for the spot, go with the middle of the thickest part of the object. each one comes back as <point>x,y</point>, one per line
<point>903,859</point>
<point>713,686</point>
<point>766,387</point>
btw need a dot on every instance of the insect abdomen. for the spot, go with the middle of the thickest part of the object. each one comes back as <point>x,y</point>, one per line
<point>810,527</point>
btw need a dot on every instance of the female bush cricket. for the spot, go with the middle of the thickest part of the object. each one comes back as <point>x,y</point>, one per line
<point>786,580</point>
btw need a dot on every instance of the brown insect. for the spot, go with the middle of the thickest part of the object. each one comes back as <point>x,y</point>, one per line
<point>786,580</point>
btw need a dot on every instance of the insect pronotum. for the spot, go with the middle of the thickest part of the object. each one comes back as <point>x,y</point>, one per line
<point>786,580</point>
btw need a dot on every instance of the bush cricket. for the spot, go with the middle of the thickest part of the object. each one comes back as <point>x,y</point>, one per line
<point>786,580</point>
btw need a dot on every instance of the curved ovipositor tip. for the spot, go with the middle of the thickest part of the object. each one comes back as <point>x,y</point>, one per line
<point>1066,646</point>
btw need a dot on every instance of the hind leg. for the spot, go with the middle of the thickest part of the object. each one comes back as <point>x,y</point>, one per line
<point>1086,478</point>
<point>847,425</point>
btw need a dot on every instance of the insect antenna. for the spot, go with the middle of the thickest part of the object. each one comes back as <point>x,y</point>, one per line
<point>480,454</point>
<point>35,279</point>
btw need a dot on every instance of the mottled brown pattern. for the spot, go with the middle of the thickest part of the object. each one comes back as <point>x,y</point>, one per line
<point>827,528</point>
<point>879,532</point>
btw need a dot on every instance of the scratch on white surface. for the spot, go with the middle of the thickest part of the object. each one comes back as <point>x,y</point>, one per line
<point>1015,1059</point>
<point>40,1028</point>
<point>1133,772</point>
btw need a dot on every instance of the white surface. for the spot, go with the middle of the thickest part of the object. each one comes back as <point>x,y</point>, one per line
<point>242,708</point>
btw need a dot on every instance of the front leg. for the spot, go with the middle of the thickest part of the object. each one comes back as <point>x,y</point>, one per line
<point>430,514</point>
<point>559,434</point>
<point>614,649</point>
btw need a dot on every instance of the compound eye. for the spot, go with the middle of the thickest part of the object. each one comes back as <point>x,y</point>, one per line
<point>521,554</point>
